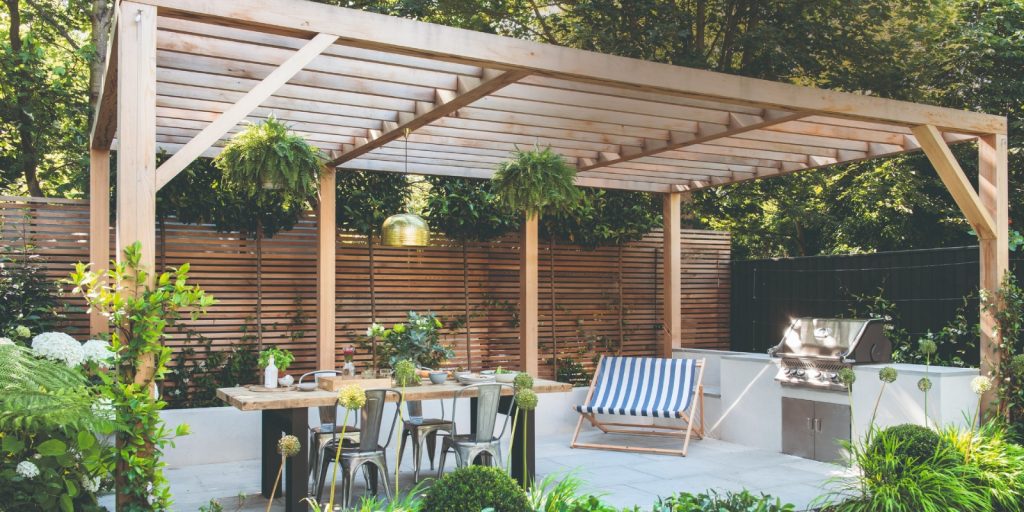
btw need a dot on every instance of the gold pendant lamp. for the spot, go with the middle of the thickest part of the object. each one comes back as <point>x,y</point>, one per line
<point>405,229</point>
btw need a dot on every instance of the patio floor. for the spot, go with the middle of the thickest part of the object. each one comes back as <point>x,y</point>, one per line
<point>625,479</point>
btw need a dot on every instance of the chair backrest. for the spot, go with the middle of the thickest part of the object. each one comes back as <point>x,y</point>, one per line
<point>487,404</point>
<point>372,417</point>
<point>327,414</point>
<point>644,386</point>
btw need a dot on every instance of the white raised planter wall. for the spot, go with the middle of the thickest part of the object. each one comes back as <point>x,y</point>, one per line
<point>748,408</point>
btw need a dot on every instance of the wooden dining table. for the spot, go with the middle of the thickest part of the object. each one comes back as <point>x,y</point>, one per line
<point>287,412</point>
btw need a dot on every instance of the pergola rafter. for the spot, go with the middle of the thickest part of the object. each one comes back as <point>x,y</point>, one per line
<point>183,74</point>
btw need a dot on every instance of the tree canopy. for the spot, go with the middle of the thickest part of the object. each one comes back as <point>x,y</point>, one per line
<point>963,54</point>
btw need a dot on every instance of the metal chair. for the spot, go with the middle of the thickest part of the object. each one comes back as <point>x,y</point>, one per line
<point>368,451</point>
<point>468,447</point>
<point>327,416</point>
<point>425,430</point>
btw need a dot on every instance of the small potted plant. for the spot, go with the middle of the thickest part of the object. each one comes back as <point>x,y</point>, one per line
<point>504,376</point>
<point>282,360</point>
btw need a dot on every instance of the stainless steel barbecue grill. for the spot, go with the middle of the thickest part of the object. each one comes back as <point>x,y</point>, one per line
<point>813,350</point>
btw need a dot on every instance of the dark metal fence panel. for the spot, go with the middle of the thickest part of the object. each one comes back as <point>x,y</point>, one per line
<point>927,287</point>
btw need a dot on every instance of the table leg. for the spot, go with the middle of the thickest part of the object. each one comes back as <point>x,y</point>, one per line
<point>270,433</point>
<point>296,469</point>
<point>524,436</point>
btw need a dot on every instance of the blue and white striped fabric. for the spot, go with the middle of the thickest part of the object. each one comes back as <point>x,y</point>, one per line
<point>643,386</point>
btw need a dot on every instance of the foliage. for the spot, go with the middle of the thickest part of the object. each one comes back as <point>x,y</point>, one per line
<point>605,217</point>
<point>406,374</point>
<point>411,501</point>
<point>282,358</point>
<point>54,422</point>
<point>916,443</point>
<point>563,493</point>
<point>465,209</point>
<point>713,501</point>
<point>27,297</point>
<point>45,52</point>
<point>996,464</point>
<point>476,488</point>
<point>1007,308</point>
<point>572,371</point>
<point>364,199</point>
<point>140,307</point>
<point>536,181</point>
<point>416,340</point>
<point>199,370</point>
<point>267,155</point>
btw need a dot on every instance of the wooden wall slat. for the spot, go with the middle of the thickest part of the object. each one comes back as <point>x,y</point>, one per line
<point>592,310</point>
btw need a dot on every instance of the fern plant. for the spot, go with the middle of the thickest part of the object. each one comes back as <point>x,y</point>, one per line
<point>536,182</point>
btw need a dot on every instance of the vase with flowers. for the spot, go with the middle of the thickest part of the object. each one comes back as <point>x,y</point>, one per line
<point>349,368</point>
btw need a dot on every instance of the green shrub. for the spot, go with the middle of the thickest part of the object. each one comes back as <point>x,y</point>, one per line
<point>713,501</point>
<point>476,488</point>
<point>563,493</point>
<point>991,462</point>
<point>914,442</point>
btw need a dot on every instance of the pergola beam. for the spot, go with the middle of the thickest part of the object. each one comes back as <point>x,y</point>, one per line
<point>529,338</point>
<point>99,226</point>
<point>956,181</point>
<point>410,37</point>
<point>672,281</point>
<point>104,122</point>
<point>469,91</point>
<point>994,258</point>
<point>326,275</point>
<point>231,117</point>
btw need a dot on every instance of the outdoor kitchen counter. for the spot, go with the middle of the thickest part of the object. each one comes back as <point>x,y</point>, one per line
<point>287,412</point>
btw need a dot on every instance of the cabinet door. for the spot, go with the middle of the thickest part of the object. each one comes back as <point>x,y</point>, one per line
<point>832,425</point>
<point>798,427</point>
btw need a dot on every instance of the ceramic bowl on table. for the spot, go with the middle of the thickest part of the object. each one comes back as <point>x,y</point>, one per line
<point>308,386</point>
<point>473,378</point>
<point>505,378</point>
<point>438,377</point>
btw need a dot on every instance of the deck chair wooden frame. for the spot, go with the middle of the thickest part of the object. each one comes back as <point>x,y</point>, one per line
<point>684,432</point>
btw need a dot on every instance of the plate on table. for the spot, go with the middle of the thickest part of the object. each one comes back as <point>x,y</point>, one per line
<point>474,378</point>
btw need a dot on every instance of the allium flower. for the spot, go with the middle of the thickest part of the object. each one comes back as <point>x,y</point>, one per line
<point>98,351</point>
<point>352,397</point>
<point>925,384</point>
<point>523,380</point>
<point>928,346</point>
<point>288,446</point>
<point>526,399</point>
<point>58,347</point>
<point>847,377</point>
<point>887,375</point>
<point>22,332</point>
<point>27,469</point>
<point>981,385</point>
<point>6,341</point>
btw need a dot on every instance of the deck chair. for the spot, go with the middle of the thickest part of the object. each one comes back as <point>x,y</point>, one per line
<point>645,387</point>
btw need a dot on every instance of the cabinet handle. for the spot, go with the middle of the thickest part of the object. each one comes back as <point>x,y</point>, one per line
<point>817,424</point>
<point>810,424</point>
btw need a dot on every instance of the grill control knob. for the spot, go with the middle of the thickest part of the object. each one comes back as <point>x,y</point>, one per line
<point>801,373</point>
<point>833,376</point>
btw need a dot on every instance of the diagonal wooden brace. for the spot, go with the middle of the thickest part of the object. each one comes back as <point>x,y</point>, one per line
<point>232,116</point>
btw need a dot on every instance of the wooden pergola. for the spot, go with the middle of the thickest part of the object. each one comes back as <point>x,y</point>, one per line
<point>183,74</point>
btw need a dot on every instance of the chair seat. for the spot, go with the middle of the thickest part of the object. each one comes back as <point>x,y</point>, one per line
<point>468,439</point>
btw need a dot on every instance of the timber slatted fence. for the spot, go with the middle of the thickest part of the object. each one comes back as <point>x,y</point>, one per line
<point>928,287</point>
<point>591,302</point>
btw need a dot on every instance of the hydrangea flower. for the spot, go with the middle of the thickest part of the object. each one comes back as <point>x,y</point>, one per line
<point>352,397</point>
<point>22,332</point>
<point>6,341</point>
<point>91,485</point>
<point>375,330</point>
<point>981,385</point>
<point>27,469</point>
<point>288,446</point>
<point>98,351</point>
<point>58,347</point>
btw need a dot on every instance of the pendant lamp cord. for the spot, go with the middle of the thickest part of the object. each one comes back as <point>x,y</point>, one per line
<point>406,166</point>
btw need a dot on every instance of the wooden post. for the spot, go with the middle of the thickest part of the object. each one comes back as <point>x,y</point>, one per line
<point>326,277</point>
<point>672,317</point>
<point>99,225</point>
<point>136,112</point>
<point>528,298</point>
<point>993,190</point>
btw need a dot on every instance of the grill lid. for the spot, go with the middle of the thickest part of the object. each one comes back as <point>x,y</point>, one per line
<point>850,340</point>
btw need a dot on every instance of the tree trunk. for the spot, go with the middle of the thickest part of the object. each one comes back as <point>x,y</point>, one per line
<point>27,160</point>
<point>259,286</point>
<point>373,301</point>
<point>100,16</point>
